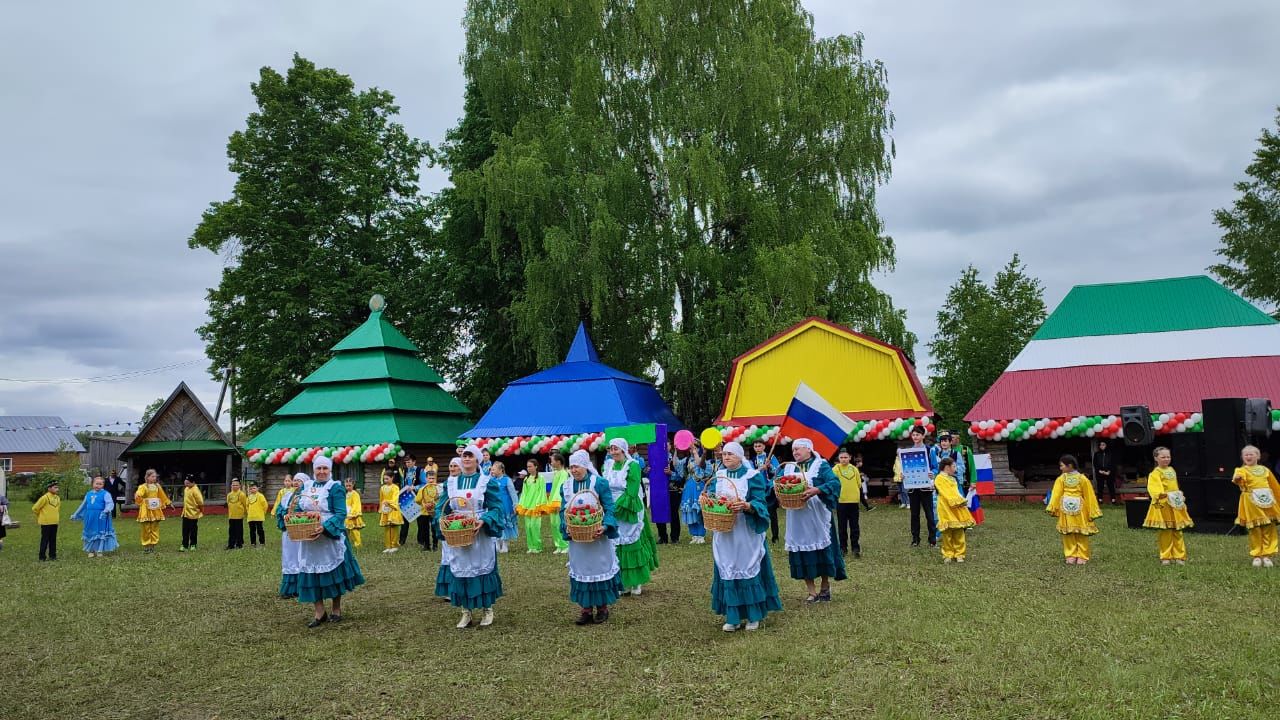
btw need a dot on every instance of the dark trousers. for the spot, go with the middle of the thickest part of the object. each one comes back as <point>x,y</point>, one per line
<point>114,506</point>
<point>922,500</point>
<point>669,532</point>
<point>773,518</point>
<point>256,535</point>
<point>190,528</point>
<point>235,534</point>
<point>847,521</point>
<point>404,532</point>
<point>1106,484</point>
<point>49,542</point>
<point>424,531</point>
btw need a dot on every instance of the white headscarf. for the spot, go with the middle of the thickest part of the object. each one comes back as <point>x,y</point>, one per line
<point>622,445</point>
<point>802,442</point>
<point>582,459</point>
<point>455,461</point>
<point>321,461</point>
<point>301,478</point>
<point>474,451</point>
<point>734,448</point>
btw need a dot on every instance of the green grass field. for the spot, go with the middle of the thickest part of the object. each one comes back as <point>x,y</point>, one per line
<point>1014,633</point>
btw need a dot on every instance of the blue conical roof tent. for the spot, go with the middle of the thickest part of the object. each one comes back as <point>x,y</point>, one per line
<point>579,395</point>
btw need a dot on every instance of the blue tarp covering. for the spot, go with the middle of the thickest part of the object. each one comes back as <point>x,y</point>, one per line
<point>579,395</point>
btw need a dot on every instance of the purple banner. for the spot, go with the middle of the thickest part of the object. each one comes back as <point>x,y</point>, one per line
<point>659,498</point>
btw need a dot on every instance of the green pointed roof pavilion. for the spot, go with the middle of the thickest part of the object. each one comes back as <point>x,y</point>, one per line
<point>376,388</point>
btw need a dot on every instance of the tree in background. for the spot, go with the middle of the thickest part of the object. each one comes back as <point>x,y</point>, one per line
<point>325,212</point>
<point>687,178</point>
<point>149,412</point>
<point>1251,227</point>
<point>64,470</point>
<point>980,329</point>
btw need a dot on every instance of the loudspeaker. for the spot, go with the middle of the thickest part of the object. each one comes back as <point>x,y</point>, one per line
<point>1223,435</point>
<point>1135,425</point>
<point>1257,417</point>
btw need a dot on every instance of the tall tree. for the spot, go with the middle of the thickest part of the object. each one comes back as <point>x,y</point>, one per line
<point>689,177</point>
<point>980,329</point>
<point>324,213</point>
<point>1251,227</point>
<point>149,411</point>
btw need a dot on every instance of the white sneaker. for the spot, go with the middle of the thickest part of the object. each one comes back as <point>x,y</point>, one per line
<point>959,559</point>
<point>395,549</point>
<point>1266,562</point>
<point>753,626</point>
<point>465,621</point>
<point>636,590</point>
<point>1257,562</point>
<point>728,627</point>
<point>487,620</point>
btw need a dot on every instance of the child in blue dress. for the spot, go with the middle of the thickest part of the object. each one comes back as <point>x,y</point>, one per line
<point>99,536</point>
<point>696,473</point>
<point>510,501</point>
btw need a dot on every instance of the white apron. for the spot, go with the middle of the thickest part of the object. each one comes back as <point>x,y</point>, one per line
<point>323,554</point>
<point>290,552</point>
<point>593,561</point>
<point>628,532</point>
<point>481,556</point>
<point>737,553</point>
<point>808,528</point>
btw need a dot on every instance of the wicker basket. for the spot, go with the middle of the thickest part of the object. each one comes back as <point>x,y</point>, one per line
<point>458,538</point>
<point>302,532</point>
<point>717,521</point>
<point>790,501</point>
<point>585,533</point>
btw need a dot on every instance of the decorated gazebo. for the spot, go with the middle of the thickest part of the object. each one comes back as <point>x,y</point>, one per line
<point>569,406</point>
<point>375,398</point>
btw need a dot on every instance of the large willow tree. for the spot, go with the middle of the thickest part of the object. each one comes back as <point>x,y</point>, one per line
<point>688,176</point>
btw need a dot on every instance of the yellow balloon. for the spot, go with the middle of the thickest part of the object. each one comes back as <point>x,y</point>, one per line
<point>711,438</point>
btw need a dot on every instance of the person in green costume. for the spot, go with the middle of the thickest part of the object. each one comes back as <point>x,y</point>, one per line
<point>559,475</point>
<point>533,495</point>
<point>637,549</point>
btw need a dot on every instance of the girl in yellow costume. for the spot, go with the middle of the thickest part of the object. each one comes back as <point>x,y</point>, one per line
<point>389,516</point>
<point>1257,510</point>
<point>1168,511</point>
<point>953,512</point>
<point>355,514</point>
<point>1076,508</point>
<point>151,501</point>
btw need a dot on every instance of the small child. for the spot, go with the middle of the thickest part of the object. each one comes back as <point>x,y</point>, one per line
<point>285,486</point>
<point>1257,511</point>
<point>389,516</point>
<point>866,502</point>
<point>1168,511</point>
<point>953,512</point>
<point>152,500</point>
<point>847,506</point>
<point>256,512</point>
<point>192,511</point>
<point>99,536</point>
<point>237,507</point>
<point>355,513</point>
<point>426,498</point>
<point>690,508</point>
<point>1072,501</point>
<point>510,501</point>
<point>48,512</point>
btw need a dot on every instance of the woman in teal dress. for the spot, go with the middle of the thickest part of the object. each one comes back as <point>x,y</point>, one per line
<point>468,575</point>
<point>593,566</point>
<point>326,568</point>
<point>812,548</point>
<point>637,550</point>
<point>743,588</point>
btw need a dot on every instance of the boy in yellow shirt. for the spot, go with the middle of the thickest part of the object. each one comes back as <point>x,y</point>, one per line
<point>426,498</point>
<point>237,506</point>
<point>256,512</point>
<point>48,511</point>
<point>192,511</point>
<point>355,513</point>
<point>847,507</point>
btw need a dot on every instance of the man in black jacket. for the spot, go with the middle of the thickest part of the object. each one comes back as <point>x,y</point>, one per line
<point>1104,472</point>
<point>115,490</point>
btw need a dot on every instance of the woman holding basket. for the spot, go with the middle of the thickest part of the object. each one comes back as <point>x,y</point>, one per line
<point>743,588</point>
<point>326,569</point>
<point>586,518</point>
<point>812,549</point>
<point>471,510</point>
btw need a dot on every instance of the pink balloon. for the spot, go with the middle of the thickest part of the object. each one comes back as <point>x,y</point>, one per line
<point>684,440</point>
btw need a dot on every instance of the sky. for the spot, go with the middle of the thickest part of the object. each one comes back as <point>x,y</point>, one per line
<point>1094,139</point>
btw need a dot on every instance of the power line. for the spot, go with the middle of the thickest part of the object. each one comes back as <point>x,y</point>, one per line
<point>104,378</point>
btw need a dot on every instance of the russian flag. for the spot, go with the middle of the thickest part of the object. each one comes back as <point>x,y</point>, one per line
<point>975,506</point>
<point>985,476</point>
<point>812,417</point>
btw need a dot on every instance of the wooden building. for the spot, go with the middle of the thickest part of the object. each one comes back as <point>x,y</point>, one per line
<point>29,443</point>
<point>182,440</point>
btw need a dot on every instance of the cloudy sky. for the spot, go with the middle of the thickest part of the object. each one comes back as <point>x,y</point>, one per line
<point>1094,138</point>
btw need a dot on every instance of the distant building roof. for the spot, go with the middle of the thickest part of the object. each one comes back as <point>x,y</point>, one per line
<point>35,434</point>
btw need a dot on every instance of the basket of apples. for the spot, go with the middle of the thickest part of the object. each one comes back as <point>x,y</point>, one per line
<point>459,529</point>
<point>789,489</point>
<point>717,515</point>
<point>584,518</point>
<point>302,526</point>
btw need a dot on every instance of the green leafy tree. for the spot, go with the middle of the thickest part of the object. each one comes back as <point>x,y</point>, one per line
<point>65,470</point>
<point>980,329</point>
<point>687,178</point>
<point>1251,227</point>
<point>325,212</point>
<point>149,411</point>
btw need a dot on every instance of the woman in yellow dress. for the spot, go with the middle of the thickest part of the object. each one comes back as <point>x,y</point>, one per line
<point>389,516</point>
<point>1076,508</point>
<point>953,512</point>
<point>355,513</point>
<point>1257,511</point>
<point>1168,512</point>
<point>152,501</point>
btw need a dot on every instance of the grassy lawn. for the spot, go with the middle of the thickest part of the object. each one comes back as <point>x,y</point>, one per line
<point>1013,633</point>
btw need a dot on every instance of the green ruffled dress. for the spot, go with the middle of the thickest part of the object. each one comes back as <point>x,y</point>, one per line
<point>640,558</point>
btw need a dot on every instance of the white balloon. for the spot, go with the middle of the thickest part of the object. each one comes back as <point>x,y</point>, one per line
<point>1089,432</point>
